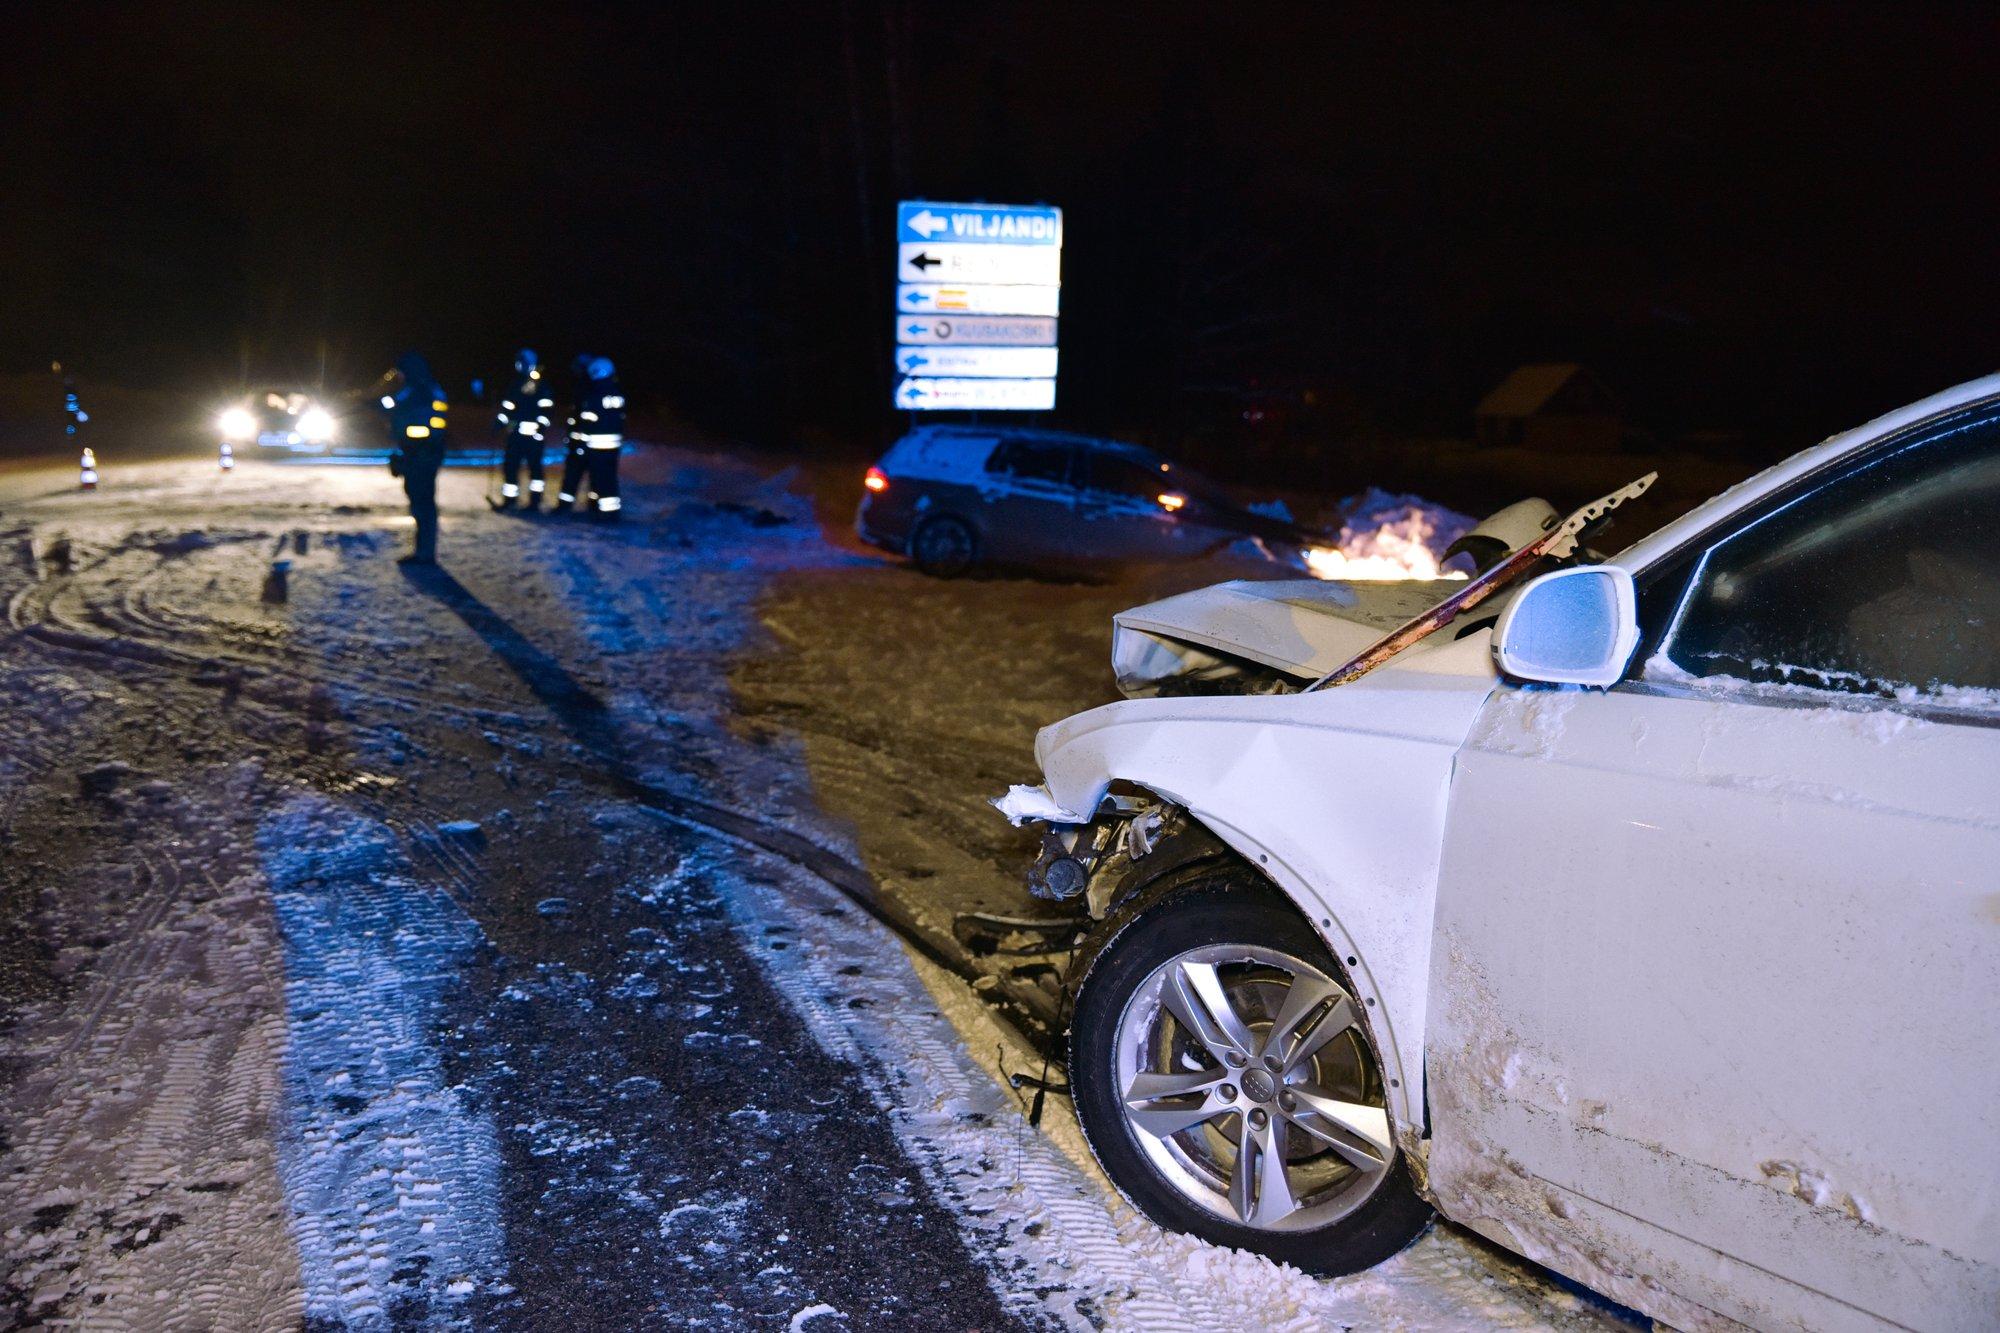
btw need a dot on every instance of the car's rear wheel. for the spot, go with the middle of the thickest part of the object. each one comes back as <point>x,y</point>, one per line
<point>944,546</point>
<point>1225,1081</point>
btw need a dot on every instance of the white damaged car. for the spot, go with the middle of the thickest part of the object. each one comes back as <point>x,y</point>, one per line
<point>1650,928</point>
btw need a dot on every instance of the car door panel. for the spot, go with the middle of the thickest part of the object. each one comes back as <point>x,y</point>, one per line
<point>1747,1011</point>
<point>1120,516</point>
<point>1719,949</point>
<point>1028,506</point>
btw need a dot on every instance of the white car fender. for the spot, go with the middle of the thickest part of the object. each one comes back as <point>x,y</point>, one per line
<point>1338,796</point>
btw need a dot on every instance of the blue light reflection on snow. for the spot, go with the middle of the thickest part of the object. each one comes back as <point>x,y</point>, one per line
<point>391,1176</point>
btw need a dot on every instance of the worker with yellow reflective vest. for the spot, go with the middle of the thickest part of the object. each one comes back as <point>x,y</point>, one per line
<point>596,435</point>
<point>417,434</point>
<point>523,416</point>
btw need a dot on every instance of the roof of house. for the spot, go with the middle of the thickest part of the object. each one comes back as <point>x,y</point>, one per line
<point>1527,390</point>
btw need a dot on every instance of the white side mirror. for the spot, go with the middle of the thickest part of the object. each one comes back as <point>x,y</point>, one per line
<point>1573,627</point>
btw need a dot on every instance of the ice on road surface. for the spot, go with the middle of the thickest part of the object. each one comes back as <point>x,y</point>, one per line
<point>504,946</point>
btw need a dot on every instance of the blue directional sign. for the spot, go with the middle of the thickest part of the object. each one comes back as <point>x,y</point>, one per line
<point>928,298</point>
<point>993,330</point>
<point>979,362</point>
<point>978,287</point>
<point>923,394</point>
<point>978,224</point>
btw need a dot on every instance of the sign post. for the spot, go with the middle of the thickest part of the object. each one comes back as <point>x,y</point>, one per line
<point>978,290</point>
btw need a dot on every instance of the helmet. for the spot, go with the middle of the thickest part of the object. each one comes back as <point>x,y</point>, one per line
<point>415,370</point>
<point>525,359</point>
<point>600,368</point>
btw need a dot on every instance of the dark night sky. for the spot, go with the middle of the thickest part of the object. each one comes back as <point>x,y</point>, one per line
<point>1780,218</point>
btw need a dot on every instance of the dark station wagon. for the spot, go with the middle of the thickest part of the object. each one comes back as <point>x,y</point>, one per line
<point>953,497</point>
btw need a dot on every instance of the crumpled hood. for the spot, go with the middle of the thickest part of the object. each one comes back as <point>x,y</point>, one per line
<point>1302,628</point>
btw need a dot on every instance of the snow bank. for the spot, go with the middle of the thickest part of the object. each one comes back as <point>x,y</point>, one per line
<point>1389,536</point>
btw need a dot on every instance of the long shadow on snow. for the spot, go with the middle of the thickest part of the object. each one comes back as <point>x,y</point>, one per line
<point>679,1150</point>
<point>589,722</point>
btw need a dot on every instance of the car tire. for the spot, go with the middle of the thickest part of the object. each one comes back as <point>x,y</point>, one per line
<point>1232,915</point>
<point>944,547</point>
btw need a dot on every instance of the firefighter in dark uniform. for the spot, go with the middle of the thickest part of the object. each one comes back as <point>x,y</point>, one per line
<point>523,416</point>
<point>596,435</point>
<point>417,434</point>
<point>576,459</point>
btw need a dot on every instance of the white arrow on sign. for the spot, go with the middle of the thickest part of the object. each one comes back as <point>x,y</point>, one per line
<point>1007,330</point>
<point>923,394</point>
<point>923,261</point>
<point>979,362</point>
<point>928,223</point>
<point>924,298</point>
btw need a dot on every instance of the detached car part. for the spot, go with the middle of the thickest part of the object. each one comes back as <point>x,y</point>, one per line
<point>1508,530</point>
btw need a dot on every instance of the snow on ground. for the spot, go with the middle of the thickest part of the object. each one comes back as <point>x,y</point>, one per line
<point>469,947</point>
<point>141,1185</point>
<point>1063,1244</point>
<point>391,1172</point>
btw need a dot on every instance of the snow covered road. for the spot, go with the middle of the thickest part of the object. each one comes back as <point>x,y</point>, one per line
<point>502,946</point>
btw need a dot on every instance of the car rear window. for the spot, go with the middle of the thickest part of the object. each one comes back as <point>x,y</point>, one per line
<point>943,453</point>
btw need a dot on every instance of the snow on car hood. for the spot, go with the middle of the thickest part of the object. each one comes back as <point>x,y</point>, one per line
<point>1298,628</point>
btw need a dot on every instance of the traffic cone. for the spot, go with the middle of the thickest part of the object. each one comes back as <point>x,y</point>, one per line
<point>87,472</point>
<point>228,460</point>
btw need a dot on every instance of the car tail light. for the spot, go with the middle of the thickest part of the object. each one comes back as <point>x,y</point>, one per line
<point>876,480</point>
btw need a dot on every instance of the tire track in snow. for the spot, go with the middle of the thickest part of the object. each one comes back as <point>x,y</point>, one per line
<point>140,1190</point>
<point>391,1174</point>
<point>363,1267</point>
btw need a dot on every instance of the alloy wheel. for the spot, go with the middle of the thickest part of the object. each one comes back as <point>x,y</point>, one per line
<point>1247,1080</point>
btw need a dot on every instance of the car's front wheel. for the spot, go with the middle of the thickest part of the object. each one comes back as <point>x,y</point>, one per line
<point>944,546</point>
<point>1225,1081</point>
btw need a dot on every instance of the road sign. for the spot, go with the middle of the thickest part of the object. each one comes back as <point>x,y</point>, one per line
<point>979,362</point>
<point>922,393</point>
<point>925,298</point>
<point>1006,330</point>
<point>978,287</point>
<point>1036,265</point>
<point>979,224</point>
